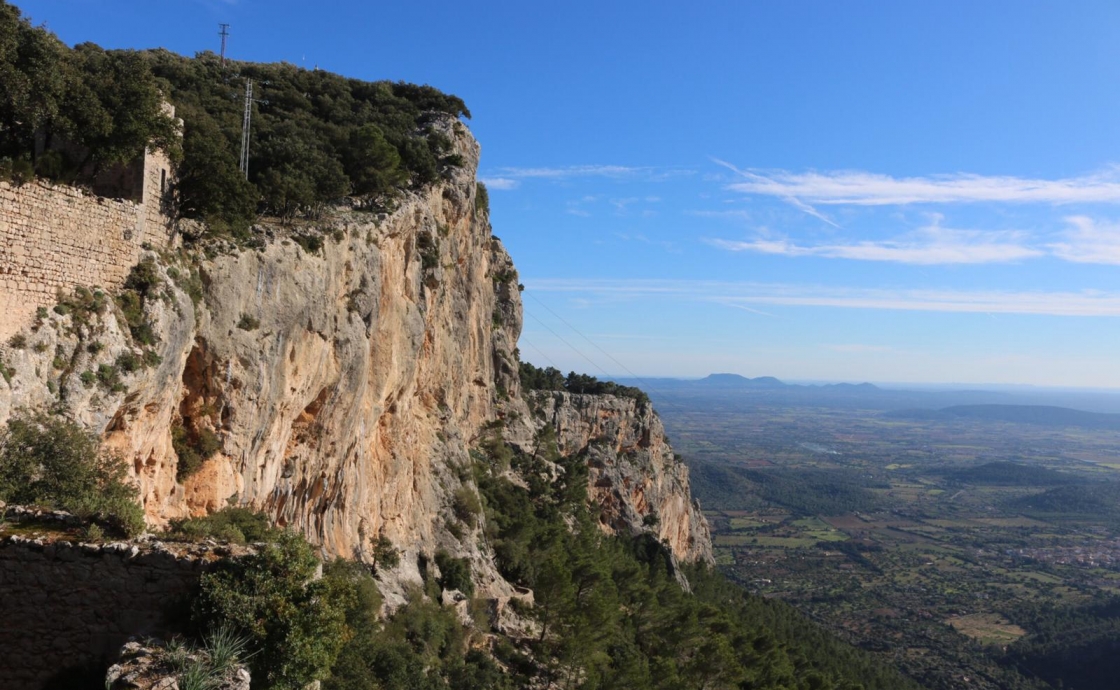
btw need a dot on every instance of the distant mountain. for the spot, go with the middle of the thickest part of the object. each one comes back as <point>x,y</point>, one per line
<point>1038,415</point>
<point>737,381</point>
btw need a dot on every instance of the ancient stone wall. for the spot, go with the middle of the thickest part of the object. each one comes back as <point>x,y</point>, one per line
<point>54,237</point>
<point>67,608</point>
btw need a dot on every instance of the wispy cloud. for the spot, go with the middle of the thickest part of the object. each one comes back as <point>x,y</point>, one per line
<point>1071,303</point>
<point>502,183</point>
<point>789,197</point>
<point>869,189</point>
<point>1089,241</point>
<point>930,245</point>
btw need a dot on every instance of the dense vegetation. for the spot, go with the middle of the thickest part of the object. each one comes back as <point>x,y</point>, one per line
<point>316,136</point>
<point>49,461</point>
<point>1070,647</point>
<point>612,614</point>
<point>550,379</point>
<point>1101,500</point>
<point>814,492</point>
<point>66,113</point>
<point>1011,474</point>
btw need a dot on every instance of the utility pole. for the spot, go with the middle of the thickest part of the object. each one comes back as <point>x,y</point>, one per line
<point>224,33</point>
<point>245,127</point>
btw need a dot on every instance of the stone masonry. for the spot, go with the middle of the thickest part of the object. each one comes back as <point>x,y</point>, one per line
<point>54,237</point>
<point>67,607</point>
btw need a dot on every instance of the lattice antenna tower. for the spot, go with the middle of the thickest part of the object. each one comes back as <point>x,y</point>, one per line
<point>245,125</point>
<point>224,33</point>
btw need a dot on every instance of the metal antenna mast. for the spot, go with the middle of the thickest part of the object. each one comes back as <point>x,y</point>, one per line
<point>224,33</point>
<point>245,127</point>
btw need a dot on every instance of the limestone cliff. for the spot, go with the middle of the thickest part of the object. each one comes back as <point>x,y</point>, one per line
<point>343,384</point>
<point>637,482</point>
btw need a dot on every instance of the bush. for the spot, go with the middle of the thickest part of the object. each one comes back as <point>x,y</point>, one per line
<point>481,199</point>
<point>466,505</point>
<point>295,625</point>
<point>454,573</point>
<point>235,524</point>
<point>248,323</point>
<point>141,285</point>
<point>51,461</point>
<point>193,448</point>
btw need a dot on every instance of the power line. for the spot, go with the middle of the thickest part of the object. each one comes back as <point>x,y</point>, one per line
<point>644,384</point>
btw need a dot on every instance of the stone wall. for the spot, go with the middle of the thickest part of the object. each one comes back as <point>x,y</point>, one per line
<point>54,237</point>
<point>66,609</point>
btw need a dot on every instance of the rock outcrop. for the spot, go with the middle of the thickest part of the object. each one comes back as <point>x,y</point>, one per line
<point>635,479</point>
<point>342,384</point>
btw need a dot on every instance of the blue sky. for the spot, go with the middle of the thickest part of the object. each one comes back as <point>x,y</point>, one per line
<point>810,190</point>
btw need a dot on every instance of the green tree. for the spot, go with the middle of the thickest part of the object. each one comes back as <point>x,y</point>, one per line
<point>51,461</point>
<point>372,163</point>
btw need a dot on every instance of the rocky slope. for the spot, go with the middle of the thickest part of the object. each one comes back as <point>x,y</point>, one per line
<point>343,386</point>
<point>637,482</point>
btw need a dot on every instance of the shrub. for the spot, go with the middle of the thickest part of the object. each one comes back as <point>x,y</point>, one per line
<point>294,624</point>
<point>248,323</point>
<point>193,448</point>
<point>18,341</point>
<point>235,524</point>
<point>481,199</point>
<point>51,461</point>
<point>141,285</point>
<point>454,573</point>
<point>466,505</point>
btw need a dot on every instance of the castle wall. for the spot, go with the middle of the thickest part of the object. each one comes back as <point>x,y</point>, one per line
<point>54,237</point>
<point>66,609</point>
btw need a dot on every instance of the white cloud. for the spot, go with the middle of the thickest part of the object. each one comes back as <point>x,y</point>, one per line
<point>1089,242</point>
<point>861,188</point>
<point>927,246</point>
<point>1079,303</point>
<point>502,183</point>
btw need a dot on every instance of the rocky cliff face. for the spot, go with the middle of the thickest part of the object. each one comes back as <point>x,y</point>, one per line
<point>344,386</point>
<point>637,482</point>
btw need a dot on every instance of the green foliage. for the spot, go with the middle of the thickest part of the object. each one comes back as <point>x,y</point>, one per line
<point>51,461</point>
<point>422,646</point>
<point>1073,647</point>
<point>612,614</point>
<point>91,108</point>
<point>466,505</point>
<point>234,524</point>
<point>320,137</point>
<point>141,286</point>
<point>385,555</point>
<point>481,199</point>
<point>109,378</point>
<point>309,243</point>
<point>18,341</point>
<point>193,447</point>
<point>550,379</point>
<point>454,573</point>
<point>248,323</point>
<point>295,625</point>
